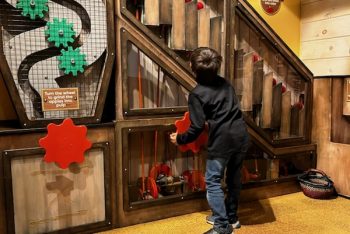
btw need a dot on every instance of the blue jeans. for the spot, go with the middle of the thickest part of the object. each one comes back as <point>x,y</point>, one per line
<point>224,210</point>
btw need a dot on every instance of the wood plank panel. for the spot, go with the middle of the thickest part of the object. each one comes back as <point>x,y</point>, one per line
<point>327,48</point>
<point>328,67</point>
<point>325,29</point>
<point>56,198</point>
<point>165,11</point>
<point>329,9</point>
<point>340,128</point>
<point>215,33</point>
<point>151,14</point>
<point>346,97</point>
<point>332,158</point>
<point>191,30</point>
<point>204,27</point>
<point>178,28</point>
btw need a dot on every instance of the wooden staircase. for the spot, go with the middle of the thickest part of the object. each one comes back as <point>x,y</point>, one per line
<point>191,24</point>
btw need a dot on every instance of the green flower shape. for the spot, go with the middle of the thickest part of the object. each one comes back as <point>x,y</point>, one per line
<point>72,61</point>
<point>33,8</point>
<point>60,32</point>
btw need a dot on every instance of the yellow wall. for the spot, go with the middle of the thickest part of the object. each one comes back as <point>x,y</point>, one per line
<point>286,22</point>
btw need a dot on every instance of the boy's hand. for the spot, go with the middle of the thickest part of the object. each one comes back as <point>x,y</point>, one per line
<point>173,138</point>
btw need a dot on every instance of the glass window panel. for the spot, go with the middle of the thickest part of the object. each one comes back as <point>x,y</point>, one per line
<point>271,92</point>
<point>158,170</point>
<point>149,85</point>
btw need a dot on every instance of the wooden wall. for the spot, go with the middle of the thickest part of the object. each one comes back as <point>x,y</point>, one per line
<point>332,158</point>
<point>325,49</point>
<point>325,36</point>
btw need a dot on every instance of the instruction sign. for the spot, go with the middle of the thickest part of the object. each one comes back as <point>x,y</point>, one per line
<point>271,7</point>
<point>60,99</point>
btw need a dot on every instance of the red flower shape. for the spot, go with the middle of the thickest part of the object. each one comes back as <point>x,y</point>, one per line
<point>65,143</point>
<point>182,126</point>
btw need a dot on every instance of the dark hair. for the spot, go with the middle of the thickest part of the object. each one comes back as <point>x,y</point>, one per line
<point>205,63</point>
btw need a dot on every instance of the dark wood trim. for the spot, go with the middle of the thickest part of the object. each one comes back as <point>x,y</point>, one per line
<point>109,61</point>
<point>38,130</point>
<point>331,77</point>
<point>8,155</point>
<point>230,40</point>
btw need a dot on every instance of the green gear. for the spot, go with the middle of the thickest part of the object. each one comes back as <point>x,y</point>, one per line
<point>72,61</point>
<point>60,32</point>
<point>33,8</point>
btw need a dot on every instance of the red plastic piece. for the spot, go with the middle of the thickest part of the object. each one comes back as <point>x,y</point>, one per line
<point>195,180</point>
<point>65,143</point>
<point>256,58</point>
<point>200,5</point>
<point>182,126</point>
<point>284,89</point>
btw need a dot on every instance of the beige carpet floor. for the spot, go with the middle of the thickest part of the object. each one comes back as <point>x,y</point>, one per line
<point>292,213</point>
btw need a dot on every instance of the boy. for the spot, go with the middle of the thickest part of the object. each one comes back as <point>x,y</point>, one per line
<point>214,101</point>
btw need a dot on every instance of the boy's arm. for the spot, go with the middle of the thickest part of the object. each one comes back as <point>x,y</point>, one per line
<point>197,118</point>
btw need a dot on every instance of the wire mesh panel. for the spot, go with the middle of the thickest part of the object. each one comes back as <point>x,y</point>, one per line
<point>55,45</point>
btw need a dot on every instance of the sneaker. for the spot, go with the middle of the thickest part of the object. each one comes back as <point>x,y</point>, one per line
<point>235,225</point>
<point>213,231</point>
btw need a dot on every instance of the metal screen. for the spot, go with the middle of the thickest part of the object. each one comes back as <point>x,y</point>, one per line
<point>55,45</point>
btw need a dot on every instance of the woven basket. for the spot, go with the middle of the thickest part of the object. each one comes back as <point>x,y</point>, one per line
<point>316,184</point>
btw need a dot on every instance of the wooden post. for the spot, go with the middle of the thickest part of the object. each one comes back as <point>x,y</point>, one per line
<point>267,101</point>
<point>276,106</point>
<point>247,97</point>
<point>203,27</point>
<point>285,115</point>
<point>178,28</point>
<point>151,16</point>
<point>191,30</point>
<point>165,11</point>
<point>215,33</point>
